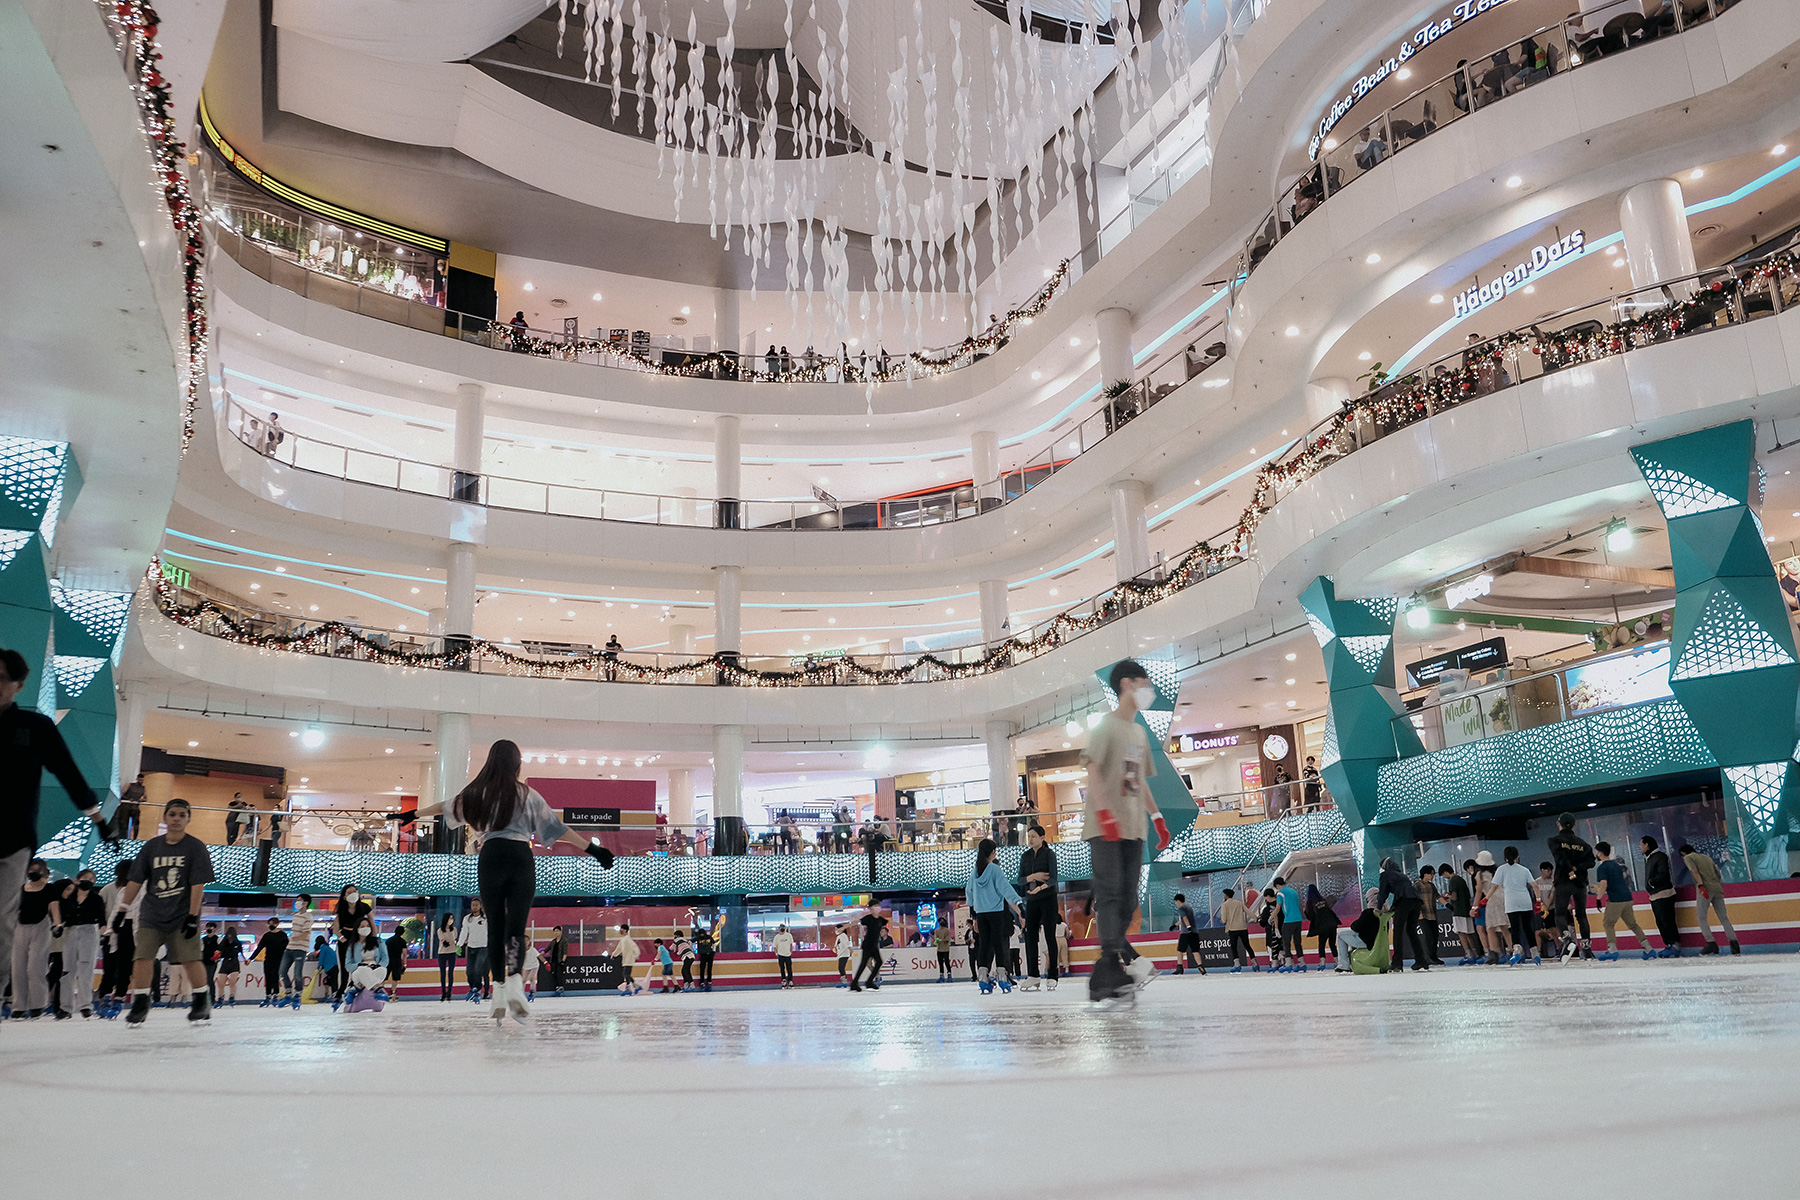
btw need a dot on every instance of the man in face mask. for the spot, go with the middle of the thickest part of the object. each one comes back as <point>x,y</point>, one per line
<point>29,744</point>
<point>1120,815</point>
<point>83,915</point>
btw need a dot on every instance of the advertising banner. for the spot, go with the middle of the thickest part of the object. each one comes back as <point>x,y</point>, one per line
<point>591,973</point>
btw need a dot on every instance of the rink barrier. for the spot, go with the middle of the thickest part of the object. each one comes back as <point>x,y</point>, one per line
<point>324,872</point>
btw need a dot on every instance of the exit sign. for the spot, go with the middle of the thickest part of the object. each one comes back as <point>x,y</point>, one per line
<point>179,576</point>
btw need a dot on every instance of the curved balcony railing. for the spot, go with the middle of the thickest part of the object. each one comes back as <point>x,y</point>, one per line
<point>1484,79</point>
<point>358,465</point>
<point>261,628</point>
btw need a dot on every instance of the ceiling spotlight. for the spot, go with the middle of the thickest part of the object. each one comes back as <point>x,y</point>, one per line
<point>389,750</point>
<point>1618,536</point>
<point>1513,181</point>
<point>1697,173</point>
<point>1037,374</point>
<point>1372,259</point>
<point>1293,331</point>
<point>685,310</point>
<point>1365,356</point>
<point>1417,615</point>
<point>1779,149</point>
<point>528,287</point>
<point>597,295</point>
<point>1292,656</point>
<point>191,745</point>
<point>1437,299</point>
<point>312,737</point>
<point>1072,728</point>
<point>1074,341</point>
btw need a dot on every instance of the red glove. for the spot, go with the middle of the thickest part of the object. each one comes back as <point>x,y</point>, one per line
<point>1109,824</point>
<point>1162,833</point>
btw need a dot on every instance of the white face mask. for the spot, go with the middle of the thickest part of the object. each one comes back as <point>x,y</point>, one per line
<point>366,931</point>
<point>1143,696</point>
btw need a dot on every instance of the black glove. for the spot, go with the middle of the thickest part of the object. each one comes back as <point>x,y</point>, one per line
<point>104,827</point>
<point>190,925</point>
<point>56,931</point>
<point>600,854</point>
<point>118,921</point>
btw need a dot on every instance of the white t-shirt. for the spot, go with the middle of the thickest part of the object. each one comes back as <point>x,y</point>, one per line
<point>784,944</point>
<point>474,933</point>
<point>1514,881</point>
<point>843,945</point>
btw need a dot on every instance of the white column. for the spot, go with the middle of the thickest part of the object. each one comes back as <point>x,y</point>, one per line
<point>129,730</point>
<point>725,320</point>
<point>681,799</point>
<point>994,618</point>
<point>1116,361</point>
<point>452,757</point>
<point>459,591</point>
<point>471,425</point>
<point>728,772</point>
<point>1002,769</point>
<point>984,455</point>
<point>1131,534</point>
<point>727,608</point>
<point>727,470</point>
<point>1325,397</point>
<point>687,507</point>
<point>1657,242</point>
<point>681,639</point>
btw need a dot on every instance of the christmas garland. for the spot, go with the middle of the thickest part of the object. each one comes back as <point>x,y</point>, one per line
<point>134,24</point>
<point>337,639</point>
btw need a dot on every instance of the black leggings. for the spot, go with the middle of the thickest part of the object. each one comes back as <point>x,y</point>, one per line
<point>1521,931</point>
<point>1328,943</point>
<point>1240,947</point>
<point>786,963</point>
<point>872,960</point>
<point>706,961</point>
<point>446,974</point>
<point>1571,896</point>
<point>990,941</point>
<point>507,874</point>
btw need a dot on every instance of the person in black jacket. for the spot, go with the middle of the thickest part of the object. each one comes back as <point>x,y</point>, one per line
<point>1573,858</point>
<point>873,839</point>
<point>1661,885</point>
<point>1395,884</point>
<point>1323,922</point>
<point>1037,883</point>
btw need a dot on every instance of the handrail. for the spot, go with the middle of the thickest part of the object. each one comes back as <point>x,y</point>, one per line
<point>340,461</point>
<point>1551,50</point>
<point>543,659</point>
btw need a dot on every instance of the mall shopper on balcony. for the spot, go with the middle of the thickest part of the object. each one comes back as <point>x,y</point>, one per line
<point>874,923</point>
<point>1614,886</point>
<point>474,944</point>
<point>1323,922</point>
<point>1574,858</point>
<point>1037,880</point>
<point>991,896</point>
<point>784,955</point>
<point>1660,883</point>
<point>873,838</point>
<point>172,872</point>
<point>509,813</point>
<point>1709,893</point>
<point>271,947</point>
<point>1120,814</point>
<point>1397,890</point>
<point>1236,918</point>
<point>443,948</point>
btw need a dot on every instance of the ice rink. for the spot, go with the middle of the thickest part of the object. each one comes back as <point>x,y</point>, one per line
<point>1643,1080</point>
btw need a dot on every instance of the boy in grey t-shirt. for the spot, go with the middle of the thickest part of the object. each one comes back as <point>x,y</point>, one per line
<point>172,872</point>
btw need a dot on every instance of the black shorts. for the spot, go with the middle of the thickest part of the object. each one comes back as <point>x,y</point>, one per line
<point>1188,942</point>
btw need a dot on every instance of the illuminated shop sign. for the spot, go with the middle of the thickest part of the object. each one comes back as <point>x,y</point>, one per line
<point>1431,32</point>
<point>1482,656</point>
<point>1478,298</point>
<point>1191,743</point>
<point>1459,594</point>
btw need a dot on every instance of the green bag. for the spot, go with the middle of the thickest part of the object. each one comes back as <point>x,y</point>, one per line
<point>1373,960</point>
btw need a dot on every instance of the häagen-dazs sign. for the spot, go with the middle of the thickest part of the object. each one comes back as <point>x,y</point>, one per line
<point>1542,257</point>
<point>1430,33</point>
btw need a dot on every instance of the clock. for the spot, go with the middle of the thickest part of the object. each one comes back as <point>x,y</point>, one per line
<point>1275,747</point>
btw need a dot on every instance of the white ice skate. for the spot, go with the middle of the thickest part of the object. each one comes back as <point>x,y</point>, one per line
<point>497,1006</point>
<point>1142,971</point>
<point>515,998</point>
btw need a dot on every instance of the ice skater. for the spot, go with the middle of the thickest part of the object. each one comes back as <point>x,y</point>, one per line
<point>1660,883</point>
<point>1709,893</point>
<point>841,946</point>
<point>556,957</point>
<point>271,947</point>
<point>1236,919</point>
<point>84,912</point>
<point>1119,815</point>
<point>1614,887</point>
<point>293,963</point>
<point>1187,937</point>
<point>784,955</point>
<point>991,898</point>
<point>444,935</point>
<point>941,941</point>
<point>1037,880</point>
<point>1574,858</point>
<point>625,949</point>
<point>172,872</point>
<point>367,964</point>
<point>1518,893</point>
<point>706,943</point>
<point>473,941</point>
<point>499,805</point>
<point>666,962</point>
<point>874,923</point>
<point>231,965</point>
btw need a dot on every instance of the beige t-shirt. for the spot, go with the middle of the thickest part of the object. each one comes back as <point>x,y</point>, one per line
<point>1234,914</point>
<point>1119,770</point>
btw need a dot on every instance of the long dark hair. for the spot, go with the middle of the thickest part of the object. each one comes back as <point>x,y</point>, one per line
<point>487,803</point>
<point>984,854</point>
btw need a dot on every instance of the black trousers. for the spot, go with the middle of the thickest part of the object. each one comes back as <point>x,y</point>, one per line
<point>706,961</point>
<point>1428,929</point>
<point>1405,929</point>
<point>507,876</point>
<point>1040,917</point>
<point>872,853</point>
<point>115,973</point>
<point>1569,895</point>
<point>446,974</point>
<point>1521,930</point>
<point>1664,911</point>
<point>1239,940</point>
<point>871,959</point>
<point>990,941</point>
<point>786,964</point>
<point>943,962</point>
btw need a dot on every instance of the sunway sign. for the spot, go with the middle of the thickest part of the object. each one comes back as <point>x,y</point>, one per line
<point>1477,298</point>
<point>1432,31</point>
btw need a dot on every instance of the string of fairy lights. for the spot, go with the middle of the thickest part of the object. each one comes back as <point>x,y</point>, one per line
<point>135,24</point>
<point>915,364</point>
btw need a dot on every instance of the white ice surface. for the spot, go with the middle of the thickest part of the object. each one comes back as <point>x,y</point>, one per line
<point>1641,1080</point>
